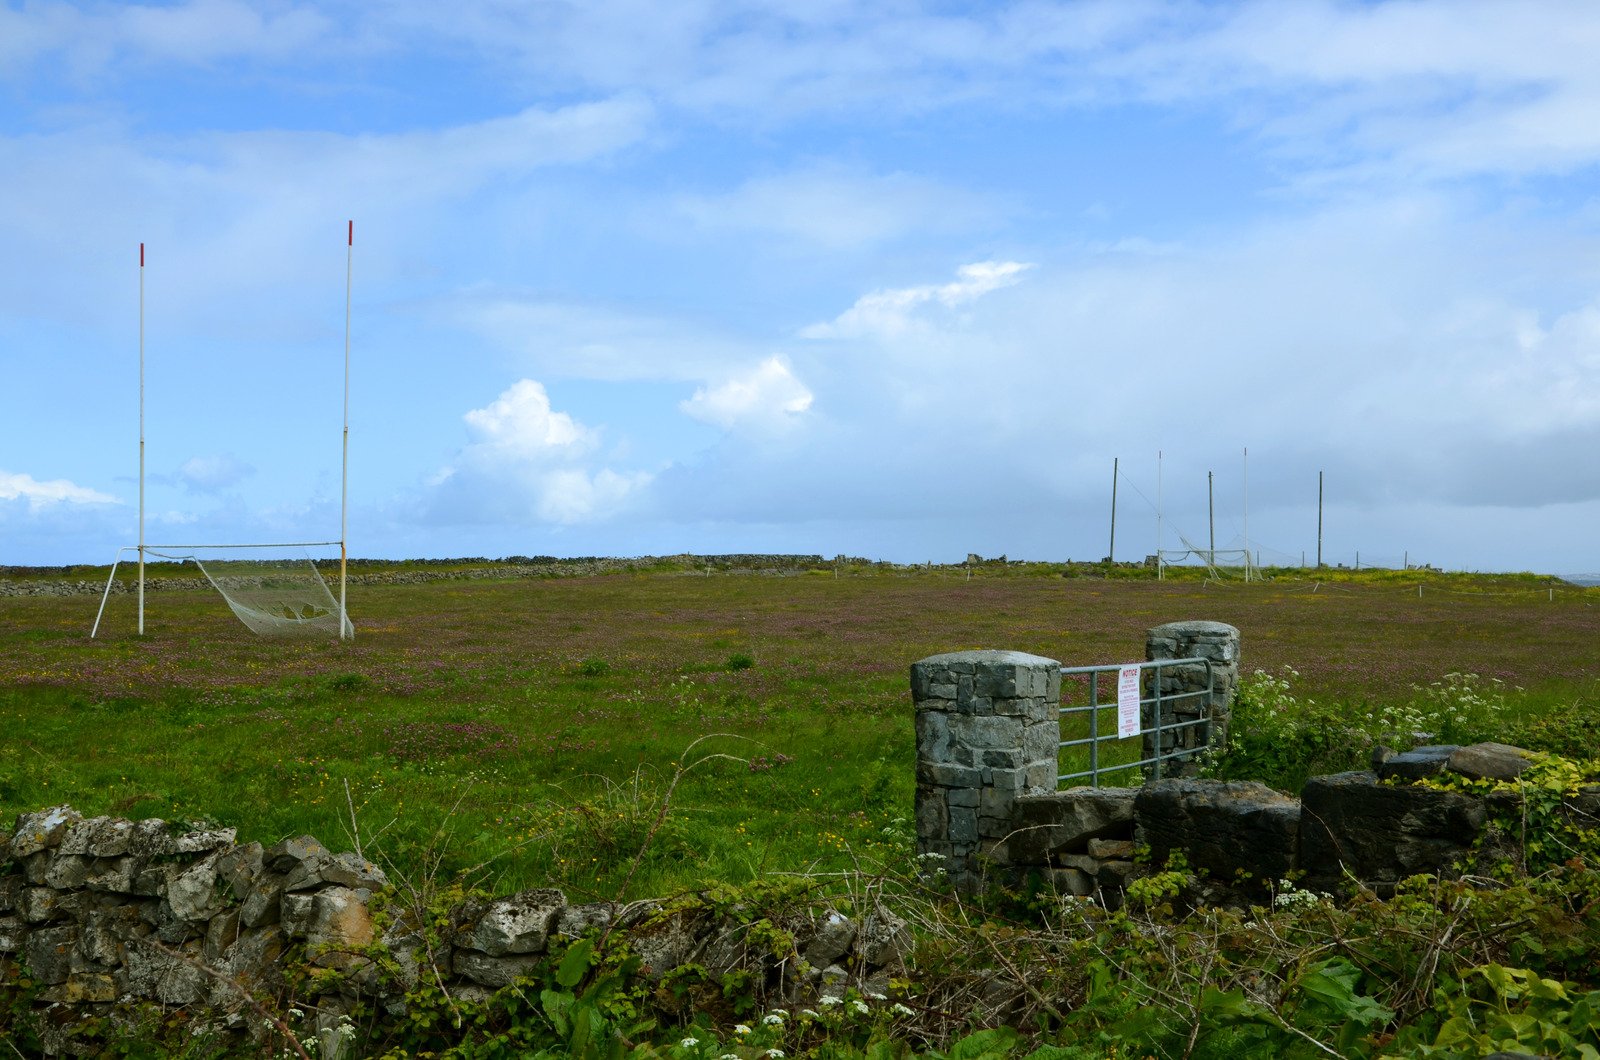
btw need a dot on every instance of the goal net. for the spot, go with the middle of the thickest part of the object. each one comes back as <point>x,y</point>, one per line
<point>275,590</point>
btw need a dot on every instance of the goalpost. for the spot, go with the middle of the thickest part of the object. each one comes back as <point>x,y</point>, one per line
<point>270,596</point>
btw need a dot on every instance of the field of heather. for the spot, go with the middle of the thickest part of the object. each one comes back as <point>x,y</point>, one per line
<point>534,726</point>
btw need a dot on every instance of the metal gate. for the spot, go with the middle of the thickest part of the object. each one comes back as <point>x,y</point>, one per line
<point>1161,734</point>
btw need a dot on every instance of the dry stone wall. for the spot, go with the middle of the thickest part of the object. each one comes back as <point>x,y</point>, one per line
<point>107,915</point>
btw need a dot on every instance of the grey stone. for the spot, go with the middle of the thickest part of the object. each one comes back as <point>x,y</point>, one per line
<point>161,976</point>
<point>1065,821</point>
<point>203,840</point>
<point>116,875</point>
<point>99,837</point>
<point>833,935</point>
<point>67,872</point>
<point>261,903</point>
<point>1382,833</point>
<point>576,921</point>
<point>338,928</point>
<point>295,914</point>
<point>40,904</point>
<point>348,869</point>
<point>12,933</point>
<point>1493,761</point>
<point>519,924</point>
<point>82,988</point>
<point>1417,762</point>
<point>10,892</point>
<point>49,951</point>
<point>948,776</point>
<point>1220,826</point>
<point>884,938</point>
<point>983,732</point>
<point>192,894</point>
<point>42,830</point>
<point>1111,848</point>
<point>1071,881</point>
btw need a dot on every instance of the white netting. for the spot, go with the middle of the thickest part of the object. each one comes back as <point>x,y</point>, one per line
<point>275,595</point>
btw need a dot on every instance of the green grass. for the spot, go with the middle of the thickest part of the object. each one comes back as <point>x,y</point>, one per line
<point>536,724</point>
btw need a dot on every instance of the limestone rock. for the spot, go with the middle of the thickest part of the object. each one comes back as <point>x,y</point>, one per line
<point>98,837</point>
<point>1382,833</point>
<point>884,939</point>
<point>834,935</point>
<point>519,924</point>
<point>576,921</point>
<point>1221,826</point>
<point>1417,762</point>
<point>1493,761</point>
<point>495,972</point>
<point>49,951</point>
<point>1065,821</point>
<point>42,830</point>
<point>192,894</point>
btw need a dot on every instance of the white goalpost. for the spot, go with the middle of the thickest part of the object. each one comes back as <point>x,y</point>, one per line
<point>272,595</point>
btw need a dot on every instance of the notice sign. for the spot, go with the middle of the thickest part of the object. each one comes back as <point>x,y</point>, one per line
<point>1128,701</point>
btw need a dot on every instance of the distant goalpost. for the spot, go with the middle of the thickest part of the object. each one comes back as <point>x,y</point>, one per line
<point>272,596</point>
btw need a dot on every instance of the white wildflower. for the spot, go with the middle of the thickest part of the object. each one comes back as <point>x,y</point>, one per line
<point>689,1043</point>
<point>828,1001</point>
<point>878,997</point>
<point>859,1007</point>
<point>741,1028</point>
<point>900,1010</point>
<point>772,1019</point>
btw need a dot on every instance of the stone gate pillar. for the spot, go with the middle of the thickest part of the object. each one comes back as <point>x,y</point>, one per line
<point>988,729</point>
<point>1216,641</point>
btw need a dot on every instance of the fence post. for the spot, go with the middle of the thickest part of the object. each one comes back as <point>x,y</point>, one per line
<point>988,729</point>
<point>1216,641</point>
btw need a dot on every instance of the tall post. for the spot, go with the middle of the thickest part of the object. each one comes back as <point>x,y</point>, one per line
<point>1319,520</point>
<point>1158,515</point>
<point>1111,555</point>
<point>141,439</point>
<point>1247,513</point>
<point>344,460</point>
<point>1211,517</point>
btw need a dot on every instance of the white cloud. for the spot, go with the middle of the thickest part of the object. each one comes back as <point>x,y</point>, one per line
<point>210,474</point>
<point>529,463</point>
<point>520,425</point>
<point>39,495</point>
<point>892,311</point>
<point>765,399</point>
<point>90,42</point>
<point>840,209</point>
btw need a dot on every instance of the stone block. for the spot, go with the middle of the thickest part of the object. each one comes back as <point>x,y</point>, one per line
<point>1494,761</point>
<point>49,951</point>
<point>192,894</point>
<point>12,933</point>
<point>985,732</point>
<point>1382,833</point>
<point>1220,826</point>
<point>963,797</point>
<point>933,815</point>
<point>948,775</point>
<point>1111,848</point>
<point>933,735</point>
<point>99,837</point>
<point>1065,821</point>
<point>43,830</point>
<point>1073,882</point>
<point>82,988</point>
<point>67,872</point>
<point>963,825</point>
<point>1417,762</point>
<point>519,924</point>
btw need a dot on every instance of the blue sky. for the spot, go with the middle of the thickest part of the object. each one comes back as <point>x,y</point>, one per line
<point>893,279</point>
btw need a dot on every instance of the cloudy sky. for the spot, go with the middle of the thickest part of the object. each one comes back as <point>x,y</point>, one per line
<point>897,279</point>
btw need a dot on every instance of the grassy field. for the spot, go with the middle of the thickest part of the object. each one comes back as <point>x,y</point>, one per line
<point>534,726</point>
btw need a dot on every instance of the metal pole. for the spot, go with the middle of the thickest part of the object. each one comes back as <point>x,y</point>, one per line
<point>1111,555</point>
<point>1319,520</point>
<point>1247,513</point>
<point>1158,515</point>
<point>141,444</point>
<point>344,462</point>
<point>1211,515</point>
